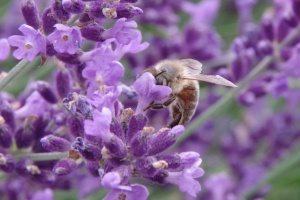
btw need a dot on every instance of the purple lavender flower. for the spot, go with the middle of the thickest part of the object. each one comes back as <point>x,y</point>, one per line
<point>29,45</point>
<point>100,126</point>
<point>65,39</point>
<point>185,179</point>
<point>148,91</point>
<point>105,97</point>
<point>112,180</point>
<point>35,105</point>
<point>109,74</point>
<point>123,30</point>
<point>4,49</point>
<point>99,56</point>
<point>135,46</point>
<point>54,143</point>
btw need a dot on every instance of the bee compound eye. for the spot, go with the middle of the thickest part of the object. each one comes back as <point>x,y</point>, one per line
<point>159,81</point>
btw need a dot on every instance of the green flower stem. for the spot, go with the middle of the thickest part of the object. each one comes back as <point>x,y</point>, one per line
<point>287,163</point>
<point>43,156</point>
<point>13,74</point>
<point>223,102</point>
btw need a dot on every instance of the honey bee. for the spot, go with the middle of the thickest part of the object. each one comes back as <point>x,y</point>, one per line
<point>182,77</point>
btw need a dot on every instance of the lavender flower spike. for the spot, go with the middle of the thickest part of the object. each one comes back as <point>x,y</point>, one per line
<point>148,91</point>
<point>65,39</point>
<point>29,45</point>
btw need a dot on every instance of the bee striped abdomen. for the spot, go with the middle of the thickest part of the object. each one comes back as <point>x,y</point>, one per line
<point>186,103</point>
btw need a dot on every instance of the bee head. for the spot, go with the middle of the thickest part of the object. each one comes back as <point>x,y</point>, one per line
<point>159,78</point>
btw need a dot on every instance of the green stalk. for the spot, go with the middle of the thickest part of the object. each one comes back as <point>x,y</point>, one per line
<point>43,156</point>
<point>13,74</point>
<point>289,162</point>
<point>223,102</point>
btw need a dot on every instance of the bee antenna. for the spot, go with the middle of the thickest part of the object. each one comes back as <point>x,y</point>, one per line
<point>160,73</point>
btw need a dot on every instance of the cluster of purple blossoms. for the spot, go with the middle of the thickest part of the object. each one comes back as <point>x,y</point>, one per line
<point>86,128</point>
<point>75,132</point>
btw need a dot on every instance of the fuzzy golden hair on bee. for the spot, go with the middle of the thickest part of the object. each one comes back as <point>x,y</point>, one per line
<point>182,77</point>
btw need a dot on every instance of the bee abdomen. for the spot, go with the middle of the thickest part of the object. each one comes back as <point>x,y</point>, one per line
<point>186,103</point>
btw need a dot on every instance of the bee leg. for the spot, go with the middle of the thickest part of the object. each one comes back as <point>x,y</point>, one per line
<point>157,106</point>
<point>176,120</point>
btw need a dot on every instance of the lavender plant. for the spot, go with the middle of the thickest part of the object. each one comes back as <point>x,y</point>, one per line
<point>78,118</point>
<point>86,128</point>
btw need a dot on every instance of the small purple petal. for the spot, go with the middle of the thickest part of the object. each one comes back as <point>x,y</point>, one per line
<point>148,91</point>
<point>65,39</point>
<point>100,126</point>
<point>29,45</point>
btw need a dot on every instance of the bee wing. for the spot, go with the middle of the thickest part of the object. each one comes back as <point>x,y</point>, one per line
<point>191,66</point>
<point>219,80</point>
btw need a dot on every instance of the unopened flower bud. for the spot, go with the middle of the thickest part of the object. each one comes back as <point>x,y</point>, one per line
<point>139,144</point>
<point>164,139</point>
<point>282,30</point>
<point>286,53</point>
<point>50,51</point>
<point>136,123</point>
<point>145,167</point>
<point>54,143</point>
<point>63,83</point>
<point>24,135</point>
<point>290,18</point>
<point>116,128</point>
<point>5,134</point>
<point>116,147</point>
<point>59,12</point>
<point>46,92</point>
<point>265,47</point>
<point>125,10</point>
<point>96,10</point>
<point>72,59</point>
<point>73,6</point>
<point>48,21</point>
<point>64,166</point>
<point>88,151</point>
<point>93,167</point>
<point>93,33</point>
<point>267,26</point>
<point>30,13</point>
<point>8,115</point>
<point>75,125</point>
<point>85,18</point>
